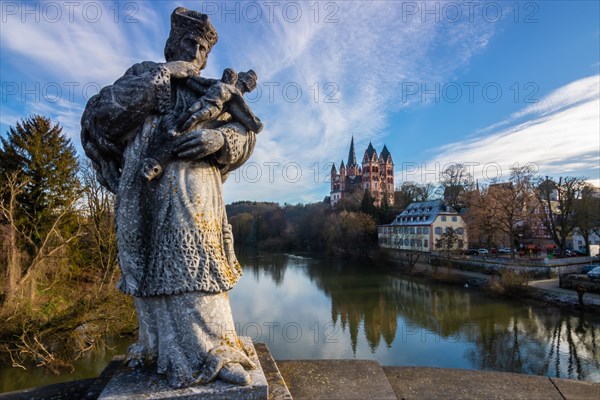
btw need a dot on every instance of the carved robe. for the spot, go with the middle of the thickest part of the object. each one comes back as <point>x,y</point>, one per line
<point>170,230</point>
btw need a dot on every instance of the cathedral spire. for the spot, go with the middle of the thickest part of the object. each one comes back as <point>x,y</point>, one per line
<point>351,154</point>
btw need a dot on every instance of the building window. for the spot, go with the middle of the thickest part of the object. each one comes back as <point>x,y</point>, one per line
<point>412,242</point>
<point>406,242</point>
<point>438,230</point>
<point>460,231</point>
<point>412,230</point>
<point>461,244</point>
<point>419,230</point>
<point>443,218</point>
<point>454,219</point>
<point>426,231</point>
<point>425,243</point>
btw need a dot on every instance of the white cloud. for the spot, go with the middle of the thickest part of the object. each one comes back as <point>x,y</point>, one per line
<point>364,58</point>
<point>560,135</point>
<point>360,62</point>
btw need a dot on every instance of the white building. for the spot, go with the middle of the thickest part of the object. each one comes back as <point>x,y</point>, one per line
<point>419,226</point>
<point>578,243</point>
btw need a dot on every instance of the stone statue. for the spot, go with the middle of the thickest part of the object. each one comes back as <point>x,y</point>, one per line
<point>164,139</point>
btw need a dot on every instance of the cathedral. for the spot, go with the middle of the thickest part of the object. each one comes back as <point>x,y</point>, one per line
<point>375,174</point>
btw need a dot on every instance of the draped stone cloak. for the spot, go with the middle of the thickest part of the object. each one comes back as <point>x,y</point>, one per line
<point>170,230</point>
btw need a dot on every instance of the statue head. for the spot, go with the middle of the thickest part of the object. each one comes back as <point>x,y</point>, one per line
<point>191,38</point>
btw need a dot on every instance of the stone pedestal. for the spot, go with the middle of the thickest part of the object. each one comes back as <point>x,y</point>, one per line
<point>128,384</point>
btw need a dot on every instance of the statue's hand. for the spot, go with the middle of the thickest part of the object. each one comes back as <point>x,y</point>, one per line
<point>199,143</point>
<point>182,69</point>
<point>199,112</point>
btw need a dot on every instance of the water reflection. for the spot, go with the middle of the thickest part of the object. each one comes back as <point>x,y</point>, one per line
<point>271,265</point>
<point>408,322</point>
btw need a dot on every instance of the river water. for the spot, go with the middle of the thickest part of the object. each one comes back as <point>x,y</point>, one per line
<point>311,308</point>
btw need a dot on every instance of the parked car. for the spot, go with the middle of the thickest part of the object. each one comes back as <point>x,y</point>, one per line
<point>588,268</point>
<point>571,253</point>
<point>594,273</point>
<point>581,253</point>
<point>483,251</point>
<point>504,250</point>
<point>472,252</point>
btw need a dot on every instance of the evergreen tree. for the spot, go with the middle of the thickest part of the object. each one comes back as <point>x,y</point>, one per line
<point>367,205</point>
<point>46,159</point>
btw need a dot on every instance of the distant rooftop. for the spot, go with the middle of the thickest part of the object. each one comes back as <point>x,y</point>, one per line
<point>423,213</point>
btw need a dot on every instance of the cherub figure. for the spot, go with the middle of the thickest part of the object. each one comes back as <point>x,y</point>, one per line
<point>222,96</point>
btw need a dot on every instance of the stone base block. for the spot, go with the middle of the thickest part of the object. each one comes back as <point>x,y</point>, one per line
<point>142,384</point>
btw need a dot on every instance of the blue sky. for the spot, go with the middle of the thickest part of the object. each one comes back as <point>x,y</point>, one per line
<point>489,84</point>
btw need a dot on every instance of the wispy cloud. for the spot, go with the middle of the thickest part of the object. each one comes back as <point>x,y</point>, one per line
<point>60,57</point>
<point>559,135</point>
<point>350,73</point>
<point>323,78</point>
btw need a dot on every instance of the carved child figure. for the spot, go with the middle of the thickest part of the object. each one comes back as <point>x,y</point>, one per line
<point>211,106</point>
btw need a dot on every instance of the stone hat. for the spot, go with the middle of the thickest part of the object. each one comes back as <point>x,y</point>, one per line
<point>185,22</point>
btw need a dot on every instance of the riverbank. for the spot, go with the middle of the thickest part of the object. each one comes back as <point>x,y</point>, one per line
<point>512,286</point>
<point>360,379</point>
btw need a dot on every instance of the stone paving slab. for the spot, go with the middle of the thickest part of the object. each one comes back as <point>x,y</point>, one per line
<point>277,387</point>
<point>577,390</point>
<point>336,379</point>
<point>436,383</point>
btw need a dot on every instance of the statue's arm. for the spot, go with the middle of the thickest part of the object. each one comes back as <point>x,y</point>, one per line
<point>237,148</point>
<point>120,108</point>
<point>116,113</point>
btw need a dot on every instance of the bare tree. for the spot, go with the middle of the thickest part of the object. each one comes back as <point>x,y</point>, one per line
<point>21,270</point>
<point>448,241</point>
<point>513,201</point>
<point>557,203</point>
<point>99,236</point>
<point>455,181</point>
<point>481,217</point>
<point>410,192</point>
<point>8,207</point>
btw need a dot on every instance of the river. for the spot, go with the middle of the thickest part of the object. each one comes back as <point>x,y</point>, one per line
<point>311,308</point>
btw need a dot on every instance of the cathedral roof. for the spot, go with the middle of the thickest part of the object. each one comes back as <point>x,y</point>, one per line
<point>342,165</point>
<point>370,151</point>
<point>333,170</point>
<point>385,154</point>
<point>351,154</point>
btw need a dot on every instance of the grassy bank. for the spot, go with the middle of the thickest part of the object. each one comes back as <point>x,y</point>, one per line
<point>64,319</point>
